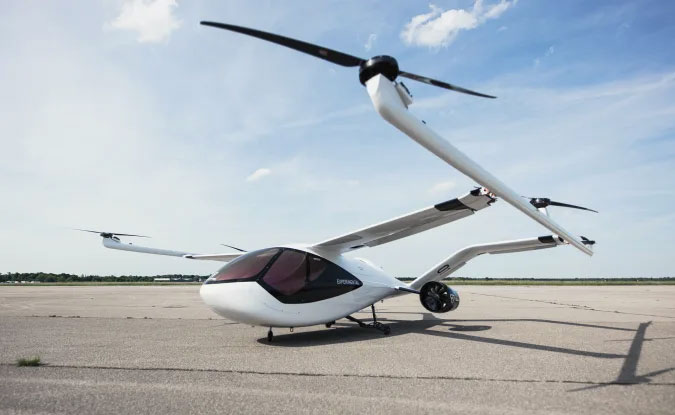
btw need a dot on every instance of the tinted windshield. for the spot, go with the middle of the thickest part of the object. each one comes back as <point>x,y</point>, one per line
<point>288,273</point>
<point>245,267</point>
<point>299,277</point>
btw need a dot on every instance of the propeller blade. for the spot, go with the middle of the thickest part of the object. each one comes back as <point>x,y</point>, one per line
<point>567,205</point>
<point>331,55</point>
<point>86,230</point>
<point>320,52</point>
<point>587,241</point>
<point>111,233</point>
<point>234,247</point>
<point>442,84</point>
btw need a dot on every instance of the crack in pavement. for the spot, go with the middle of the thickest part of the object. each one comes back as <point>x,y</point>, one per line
<point>350,375</point>
<point>576,306</point>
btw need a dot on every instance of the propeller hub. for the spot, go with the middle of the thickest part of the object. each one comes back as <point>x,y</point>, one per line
<point>383,64</point>
<point>540,202</point>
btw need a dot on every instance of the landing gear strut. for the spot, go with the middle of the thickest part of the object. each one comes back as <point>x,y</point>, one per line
<point>375,324</point>
<point>270,335</point>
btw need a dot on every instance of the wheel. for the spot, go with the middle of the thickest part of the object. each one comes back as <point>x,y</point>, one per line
<point>329,325</point>
<point>270,336</point>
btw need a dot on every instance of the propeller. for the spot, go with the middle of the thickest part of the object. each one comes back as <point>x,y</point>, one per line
<point>542,202</point>
<point>234,247</point>
<point>438,297</point>
<point>111,234</point>
<point>587,241</point>
<point>385,65</point>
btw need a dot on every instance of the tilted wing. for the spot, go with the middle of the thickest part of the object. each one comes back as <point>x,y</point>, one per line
<point>393,108</point>
<point>411,223</point>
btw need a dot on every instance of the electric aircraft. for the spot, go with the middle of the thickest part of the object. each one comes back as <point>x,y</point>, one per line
<point>303,285</point>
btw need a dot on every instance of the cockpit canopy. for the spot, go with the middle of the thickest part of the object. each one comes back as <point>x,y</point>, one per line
<point>290,275</point>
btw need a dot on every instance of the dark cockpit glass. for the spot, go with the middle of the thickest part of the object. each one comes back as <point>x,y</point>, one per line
<point>288,273</point>
<point>291,276</point>
<point>299,277</point>
<point>247,266</point>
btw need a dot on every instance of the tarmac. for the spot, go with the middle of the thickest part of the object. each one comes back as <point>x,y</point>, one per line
<point>505,350</point>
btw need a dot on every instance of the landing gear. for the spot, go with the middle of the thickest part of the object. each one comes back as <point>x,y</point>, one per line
<point>270,335</point>
<point>375,324</point>
<point>329,325</point>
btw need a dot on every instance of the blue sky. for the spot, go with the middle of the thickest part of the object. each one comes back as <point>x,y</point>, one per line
<point>129,116</point>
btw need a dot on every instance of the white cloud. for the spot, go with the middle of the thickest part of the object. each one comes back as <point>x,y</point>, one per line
<point>371,41</point>
<point>258,174</point>
<point>550,51</point>
<point>440,27</point>
<point>153,20</point>
<point>442,188</point>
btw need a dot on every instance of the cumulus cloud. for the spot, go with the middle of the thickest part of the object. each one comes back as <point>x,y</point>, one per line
<point>550,51</point>
<point>440,27</point>
<point>258,174</point>
<point>153,20</point>
<point>370,42</point>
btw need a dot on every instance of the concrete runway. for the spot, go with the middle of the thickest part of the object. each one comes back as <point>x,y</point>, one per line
<point>513,350</point>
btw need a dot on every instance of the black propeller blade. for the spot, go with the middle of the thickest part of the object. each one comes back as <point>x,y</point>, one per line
<point>571,206</point>
<point>587,241</point>
<point>315,50</point>
<point>340,58</point>
<point>542,202</point>
<point>234,247</point>
<point>111,234</point>
<point>442,84</point>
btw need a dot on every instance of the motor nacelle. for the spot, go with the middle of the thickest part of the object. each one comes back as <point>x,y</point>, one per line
<point>438,297</point>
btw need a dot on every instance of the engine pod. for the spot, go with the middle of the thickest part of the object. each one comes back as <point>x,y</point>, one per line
<point>438,297</point>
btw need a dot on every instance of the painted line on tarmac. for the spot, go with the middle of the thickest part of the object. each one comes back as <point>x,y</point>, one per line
<point>346,375</point>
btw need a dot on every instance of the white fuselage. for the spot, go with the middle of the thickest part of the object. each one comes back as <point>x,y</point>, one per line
<point>248,302</point>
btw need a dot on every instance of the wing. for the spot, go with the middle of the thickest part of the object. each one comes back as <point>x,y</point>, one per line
<point>457,260</point>
<point>411,223</point>
<point>114,243</point>
<point>393,108</point>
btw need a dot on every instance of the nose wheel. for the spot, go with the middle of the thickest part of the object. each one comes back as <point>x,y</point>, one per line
<point>270,335</point>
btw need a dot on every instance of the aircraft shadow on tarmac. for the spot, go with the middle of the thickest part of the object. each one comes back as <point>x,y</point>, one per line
<point>429,325</point>
<point>628,373</point>
<point>457,329</point>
